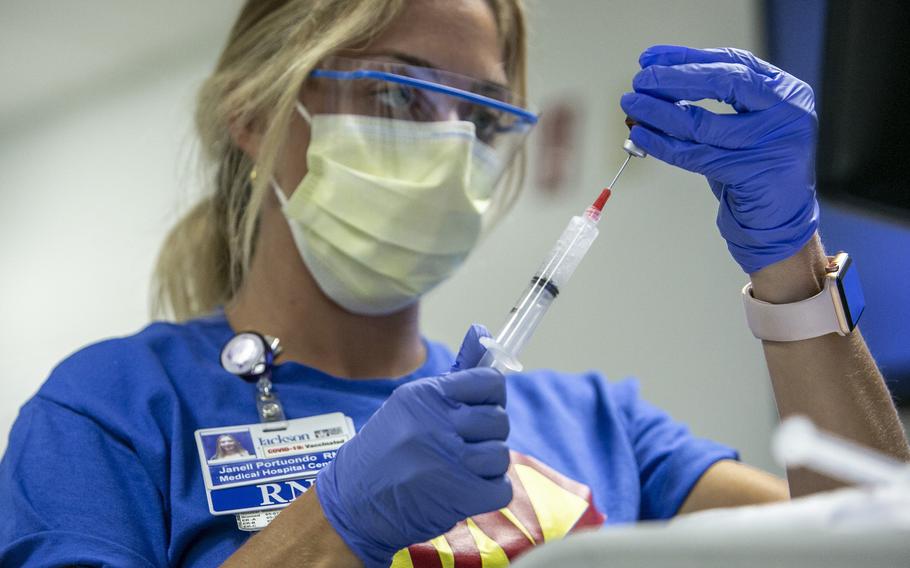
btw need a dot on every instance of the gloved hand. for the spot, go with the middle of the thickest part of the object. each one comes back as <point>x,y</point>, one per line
<point>760,162</point>
<point>432,455</point>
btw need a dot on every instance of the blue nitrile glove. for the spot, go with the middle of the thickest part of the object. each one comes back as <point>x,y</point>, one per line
<point>432,455</point>
<point>760,162</point>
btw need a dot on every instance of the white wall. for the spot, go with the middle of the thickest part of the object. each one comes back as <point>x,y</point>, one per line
<point>87,196</point>
<point>90,185</point>
<point>94,165</point>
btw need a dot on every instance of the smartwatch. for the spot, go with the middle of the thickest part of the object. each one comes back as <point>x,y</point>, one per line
<point>836,309</point>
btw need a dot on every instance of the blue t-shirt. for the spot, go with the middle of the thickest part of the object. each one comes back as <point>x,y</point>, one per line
<point>102,467</point>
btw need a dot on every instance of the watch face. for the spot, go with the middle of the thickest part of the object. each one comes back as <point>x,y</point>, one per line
<point>851,293</point>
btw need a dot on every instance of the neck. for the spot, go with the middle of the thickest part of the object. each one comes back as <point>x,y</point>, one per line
<point>280,298</point>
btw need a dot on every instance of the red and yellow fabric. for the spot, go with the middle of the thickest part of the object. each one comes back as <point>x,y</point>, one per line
<point>546,505</point>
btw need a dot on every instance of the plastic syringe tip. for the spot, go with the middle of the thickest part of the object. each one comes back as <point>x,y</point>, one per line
<point>602,199</point>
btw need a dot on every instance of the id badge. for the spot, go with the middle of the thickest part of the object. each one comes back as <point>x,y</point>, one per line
<point>265,466</point>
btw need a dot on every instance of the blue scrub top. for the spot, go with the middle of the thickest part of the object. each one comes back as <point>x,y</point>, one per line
<point>102,467</point>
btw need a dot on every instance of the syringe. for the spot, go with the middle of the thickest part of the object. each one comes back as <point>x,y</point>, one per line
<point>555,271</point>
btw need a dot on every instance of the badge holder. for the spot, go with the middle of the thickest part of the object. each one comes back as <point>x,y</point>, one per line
<point>250,356</point>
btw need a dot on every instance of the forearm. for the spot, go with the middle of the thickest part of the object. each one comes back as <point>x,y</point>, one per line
<point>831,379</point>
<point>299,536</point>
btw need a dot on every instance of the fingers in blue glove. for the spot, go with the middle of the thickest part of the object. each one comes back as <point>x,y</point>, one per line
<point>733,84</point>
<point>759,162</point>
<point>690,156</point>
<point>432,455</point>
<point>680,55</point>
<point>475,386</point>
<point>690,122</point>
<point>471,351</point>
<point>481,422</point>
<point>489,459</point>
<point>497,491</point>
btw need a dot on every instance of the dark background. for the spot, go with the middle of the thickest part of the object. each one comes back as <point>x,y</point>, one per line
<point>856,56</point>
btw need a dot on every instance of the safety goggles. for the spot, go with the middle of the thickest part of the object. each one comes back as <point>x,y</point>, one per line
<point>403,92</point>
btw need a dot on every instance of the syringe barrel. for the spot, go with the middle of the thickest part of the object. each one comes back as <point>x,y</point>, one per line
<point>525,317</point>
<point>545,286</point>
<point>566,255</point>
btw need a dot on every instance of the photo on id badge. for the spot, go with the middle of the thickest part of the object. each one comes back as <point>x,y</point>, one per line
<point>228,447</point>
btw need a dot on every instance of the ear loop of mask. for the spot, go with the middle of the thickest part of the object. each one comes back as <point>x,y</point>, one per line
<point>304,112</point>
<point>279,193</point>
<point>282,199</point>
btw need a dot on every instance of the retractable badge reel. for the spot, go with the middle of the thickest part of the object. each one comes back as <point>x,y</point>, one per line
<point>250,356</point>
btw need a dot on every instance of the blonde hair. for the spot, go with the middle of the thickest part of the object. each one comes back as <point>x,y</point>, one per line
<point>270,51</point>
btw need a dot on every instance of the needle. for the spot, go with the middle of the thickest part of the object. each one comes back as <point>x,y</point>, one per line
<point>619,173</point>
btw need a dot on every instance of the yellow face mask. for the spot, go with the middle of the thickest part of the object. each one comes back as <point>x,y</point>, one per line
<point>389,208</point>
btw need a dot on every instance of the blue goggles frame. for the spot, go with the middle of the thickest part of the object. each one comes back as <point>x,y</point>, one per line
<point>522,115</point>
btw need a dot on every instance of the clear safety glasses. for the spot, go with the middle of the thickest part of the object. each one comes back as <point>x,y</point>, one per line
<point>412,94</point>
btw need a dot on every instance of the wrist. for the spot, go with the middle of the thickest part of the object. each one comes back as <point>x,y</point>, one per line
<point>793,279</point>
<point>334,546</point>
<point>299,536</point>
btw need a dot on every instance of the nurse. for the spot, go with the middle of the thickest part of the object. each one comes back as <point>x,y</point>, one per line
<point>357,149</point>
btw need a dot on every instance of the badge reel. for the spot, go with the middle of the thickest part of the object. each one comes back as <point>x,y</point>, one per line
<point>250,356</point>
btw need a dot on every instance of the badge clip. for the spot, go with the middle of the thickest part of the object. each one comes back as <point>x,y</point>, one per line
<point>250,356</point>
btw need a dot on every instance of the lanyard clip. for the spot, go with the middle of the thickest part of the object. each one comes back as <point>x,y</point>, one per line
<point>250,356</point>
<point>267,403</point>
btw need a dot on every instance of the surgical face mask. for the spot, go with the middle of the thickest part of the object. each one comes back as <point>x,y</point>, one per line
<point>389,208</point>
